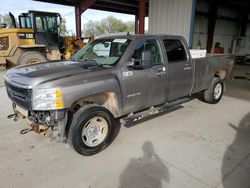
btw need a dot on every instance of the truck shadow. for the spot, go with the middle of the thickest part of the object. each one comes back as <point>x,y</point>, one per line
<point>153,116</point>
<point>199,96</point>
<point>146,171</point>
<point>236,161</point>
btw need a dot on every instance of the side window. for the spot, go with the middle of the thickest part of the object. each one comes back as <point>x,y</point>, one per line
<point>137,55</point>
<point>51,23</point>
<point>153,46</point>
<point>46,23</point>
<point>25,22</point>
<point>150,45</point>
<point>175,50</point>
<point>39,24</point>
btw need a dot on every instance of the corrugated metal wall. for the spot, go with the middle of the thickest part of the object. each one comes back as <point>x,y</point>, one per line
<point>248,27</point>
<point>170,17</point>
<point>225,30</point>
<point>174,17</point>
<point>200,25</point>
<point>248,30</point>
<point>200,32</point>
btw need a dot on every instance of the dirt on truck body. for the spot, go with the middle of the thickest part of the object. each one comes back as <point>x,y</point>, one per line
<point>113,78</point>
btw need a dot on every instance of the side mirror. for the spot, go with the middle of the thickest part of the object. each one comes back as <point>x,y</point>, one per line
<point>144,63</point>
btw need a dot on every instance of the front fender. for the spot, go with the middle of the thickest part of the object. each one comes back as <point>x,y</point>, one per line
<point>76,92</point>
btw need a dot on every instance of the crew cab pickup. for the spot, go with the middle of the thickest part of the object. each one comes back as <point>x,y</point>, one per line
<point>113,78</point>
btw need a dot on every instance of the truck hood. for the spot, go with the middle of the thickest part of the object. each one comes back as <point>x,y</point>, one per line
<point>32,75</point>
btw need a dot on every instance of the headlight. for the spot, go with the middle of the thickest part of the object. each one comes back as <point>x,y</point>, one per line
<point>47,99</point>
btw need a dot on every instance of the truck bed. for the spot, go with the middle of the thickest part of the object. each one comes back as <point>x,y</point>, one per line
<point>204,68</point>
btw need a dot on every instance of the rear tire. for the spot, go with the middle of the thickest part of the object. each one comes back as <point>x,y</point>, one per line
<point>92,129</point>
<point>31,58</point>
<point>215,91</point>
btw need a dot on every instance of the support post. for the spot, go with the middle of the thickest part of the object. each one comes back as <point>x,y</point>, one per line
<point>78,21</point>
<point>79,9</point>
<point>243,27</point>
<point>136,24</point>
<point>142,10</point>
<point>211,24</point>
<point>191,34</point>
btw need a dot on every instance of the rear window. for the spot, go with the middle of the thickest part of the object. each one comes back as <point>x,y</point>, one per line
<point>175,50</point>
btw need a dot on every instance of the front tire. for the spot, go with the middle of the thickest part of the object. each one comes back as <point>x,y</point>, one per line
<point>92,130</point>
<point>215,91</point>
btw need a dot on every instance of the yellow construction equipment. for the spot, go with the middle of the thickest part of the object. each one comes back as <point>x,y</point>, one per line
<point>72,44</point>
<point>35,39</point>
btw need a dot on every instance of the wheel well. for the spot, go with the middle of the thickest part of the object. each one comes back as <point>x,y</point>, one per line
<point>106,99</point>
<point>221,74</point>
<point>32,48</point>
<point>14,57</point>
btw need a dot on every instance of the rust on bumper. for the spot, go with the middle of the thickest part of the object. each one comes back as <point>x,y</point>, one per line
<point>37,127</point>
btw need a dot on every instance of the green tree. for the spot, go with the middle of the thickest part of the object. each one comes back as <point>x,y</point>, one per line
<point>131,26</point>
<point>90,29</point>
<point>62,27</point>
<point>107,25</point>
<point>5,19</point>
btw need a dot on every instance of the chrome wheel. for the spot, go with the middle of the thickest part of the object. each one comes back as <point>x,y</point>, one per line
<point>217,91</point>
<point>95,131</point>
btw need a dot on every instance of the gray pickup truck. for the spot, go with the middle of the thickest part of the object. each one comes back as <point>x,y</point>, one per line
<point>114,78</point>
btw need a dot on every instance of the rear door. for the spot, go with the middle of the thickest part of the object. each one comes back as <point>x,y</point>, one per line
<point>179,68</point>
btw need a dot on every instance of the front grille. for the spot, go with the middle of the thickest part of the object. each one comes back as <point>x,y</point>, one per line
<point>4,43</point>
<point>20,96</point>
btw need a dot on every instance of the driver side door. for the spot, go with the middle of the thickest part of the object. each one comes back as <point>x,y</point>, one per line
<point>145,87</point>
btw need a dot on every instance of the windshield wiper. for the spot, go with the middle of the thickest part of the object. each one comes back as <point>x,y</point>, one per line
<point>89,63</point>
<point>73,59</point>
<point>92,61</point>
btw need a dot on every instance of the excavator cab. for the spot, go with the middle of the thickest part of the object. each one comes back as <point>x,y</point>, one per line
<point>45,26</point>
<point>33,38</point>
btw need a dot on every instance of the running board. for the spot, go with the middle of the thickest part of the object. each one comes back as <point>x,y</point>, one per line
<point>152,111</point>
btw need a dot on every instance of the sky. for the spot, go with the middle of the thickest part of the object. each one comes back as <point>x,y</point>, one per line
<point>19,6</point>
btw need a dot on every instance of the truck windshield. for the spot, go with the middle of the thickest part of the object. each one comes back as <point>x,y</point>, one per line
<point>103,51</point>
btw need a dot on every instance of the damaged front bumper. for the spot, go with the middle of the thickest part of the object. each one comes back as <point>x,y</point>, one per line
<point>42,121</point>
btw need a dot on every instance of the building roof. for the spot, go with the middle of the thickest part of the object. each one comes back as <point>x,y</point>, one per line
<point>120,6</point>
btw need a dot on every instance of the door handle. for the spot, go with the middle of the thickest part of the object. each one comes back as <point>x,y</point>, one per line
<point>160,73</point>
<point>162,69</point>
<point>187,68</point>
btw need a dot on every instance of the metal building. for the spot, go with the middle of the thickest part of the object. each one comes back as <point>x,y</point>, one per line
<point>171,17</point>
<point>139,8</point>
<point>202,22</point>
<point>225,20</point>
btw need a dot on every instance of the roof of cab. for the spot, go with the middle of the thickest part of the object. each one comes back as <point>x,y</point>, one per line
<point>136,36</point>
